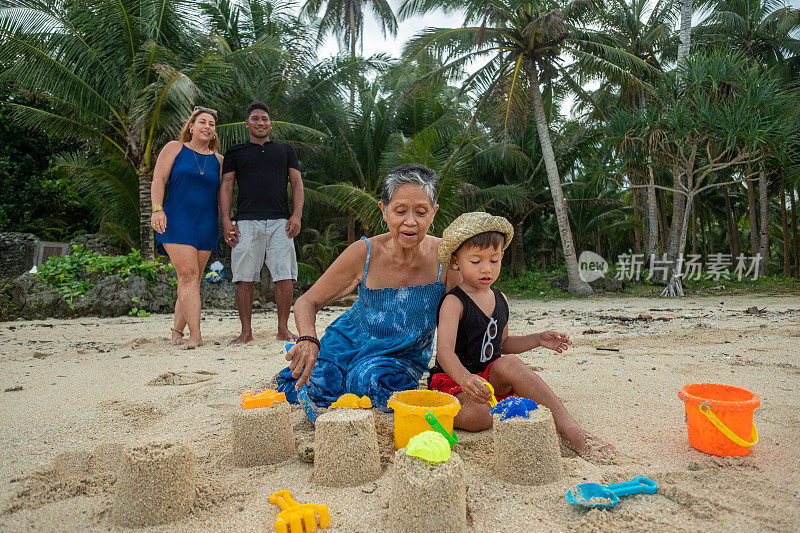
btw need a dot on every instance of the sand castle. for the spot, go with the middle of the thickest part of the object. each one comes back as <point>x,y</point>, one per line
<point>156,484</point>
<point>346,448</point>
<point>526,450</point>
<point>427,496</point>
<point>262,436</point>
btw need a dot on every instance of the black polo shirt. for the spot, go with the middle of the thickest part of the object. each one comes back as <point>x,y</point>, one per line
<point>262,172</point>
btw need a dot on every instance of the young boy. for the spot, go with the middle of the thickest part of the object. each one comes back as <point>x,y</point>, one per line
<point>473,335</point>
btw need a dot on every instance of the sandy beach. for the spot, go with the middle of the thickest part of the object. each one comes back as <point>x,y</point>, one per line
<point>92,387</point>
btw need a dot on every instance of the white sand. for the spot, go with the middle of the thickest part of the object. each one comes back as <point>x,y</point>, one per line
<point>86,393</point>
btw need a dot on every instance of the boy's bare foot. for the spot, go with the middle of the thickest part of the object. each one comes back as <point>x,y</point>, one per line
<point>599,451</point>
<point>192,343</point>
<point>589,447</point>
<point>177,338</point>
<point>243,338</point>
<point>286,335</point>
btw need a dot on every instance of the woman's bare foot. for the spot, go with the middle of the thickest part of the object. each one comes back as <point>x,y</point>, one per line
<point>177,337</point>
<point>192,343</point>
<point>243,338</point>
<point>286,335</point>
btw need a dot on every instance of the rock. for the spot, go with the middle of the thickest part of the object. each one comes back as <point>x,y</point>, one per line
<point>113,296</point>
<point>560,282</point>
<point>100,243</point>
<point>217,295</point>
<point>17,253</point>
<point>608,284</point>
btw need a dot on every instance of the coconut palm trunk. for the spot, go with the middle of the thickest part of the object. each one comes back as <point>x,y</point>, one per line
<point>576,284</point>
<point>637,223</point>
<point>517,250</point>
<point>145,205</point>
<point>353,36</point>
<point>652,216</point>
<point>794,234</point>
<point>787,257</point>
<point>763,247</point>
<point>734,239</point>
<point>685,29</point>
<point>751,203</point>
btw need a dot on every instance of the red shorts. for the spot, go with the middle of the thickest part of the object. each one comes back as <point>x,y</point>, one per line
<point>444,383</point>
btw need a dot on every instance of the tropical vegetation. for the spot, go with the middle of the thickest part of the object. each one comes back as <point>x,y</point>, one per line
<point>656,129</point>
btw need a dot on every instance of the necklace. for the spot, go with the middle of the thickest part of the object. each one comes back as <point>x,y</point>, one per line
<point>196,162</point>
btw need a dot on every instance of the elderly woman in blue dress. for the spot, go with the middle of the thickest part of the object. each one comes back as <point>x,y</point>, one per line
<point>384,342</point>
<point>187,222</point>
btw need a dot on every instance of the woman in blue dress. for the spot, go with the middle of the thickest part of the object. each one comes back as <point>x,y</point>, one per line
<point>187,222</point>
<point>384,342</point>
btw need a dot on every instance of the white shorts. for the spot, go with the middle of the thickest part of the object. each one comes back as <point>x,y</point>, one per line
<point>263,242</point>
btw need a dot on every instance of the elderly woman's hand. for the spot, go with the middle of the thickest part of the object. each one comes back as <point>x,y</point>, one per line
<point>303,357</point>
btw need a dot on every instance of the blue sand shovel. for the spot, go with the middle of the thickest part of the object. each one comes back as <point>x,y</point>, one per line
<point>304,400</point>
<point>582,494</point>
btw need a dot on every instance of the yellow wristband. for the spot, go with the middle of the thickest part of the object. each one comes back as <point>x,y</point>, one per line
<point>157,208</point>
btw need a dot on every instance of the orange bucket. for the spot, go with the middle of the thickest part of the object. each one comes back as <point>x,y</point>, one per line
<point>720,418</point>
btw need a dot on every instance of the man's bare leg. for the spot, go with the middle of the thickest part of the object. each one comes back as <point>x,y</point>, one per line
<point>284,290</point>
<point>244,303</point>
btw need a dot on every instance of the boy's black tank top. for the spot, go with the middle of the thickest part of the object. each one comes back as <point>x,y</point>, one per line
<point>475,332</point>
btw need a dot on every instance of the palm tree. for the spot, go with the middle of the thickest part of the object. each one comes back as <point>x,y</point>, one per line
<point>345,19</point>
<point>645,30</point>
<point>120,76</point>
<point>526,42</point>
<point>764,31</point>
<point>712,131</point>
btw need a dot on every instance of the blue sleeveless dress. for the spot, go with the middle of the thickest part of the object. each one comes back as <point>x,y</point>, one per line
<point>382,344</point>
<point>191,204</point>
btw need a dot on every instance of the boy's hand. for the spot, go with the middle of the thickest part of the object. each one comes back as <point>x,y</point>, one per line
<point>475,389</point>
<point>554,340</point>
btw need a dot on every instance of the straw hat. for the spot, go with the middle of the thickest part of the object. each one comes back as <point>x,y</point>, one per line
<point>468,225</point>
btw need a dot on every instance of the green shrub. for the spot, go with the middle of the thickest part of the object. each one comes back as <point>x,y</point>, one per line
<point>72,274</point>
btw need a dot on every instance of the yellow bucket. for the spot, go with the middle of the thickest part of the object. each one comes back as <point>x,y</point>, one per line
<point>410,408</point>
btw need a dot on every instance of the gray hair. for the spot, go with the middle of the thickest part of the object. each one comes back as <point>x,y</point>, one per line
<point>410,173</point>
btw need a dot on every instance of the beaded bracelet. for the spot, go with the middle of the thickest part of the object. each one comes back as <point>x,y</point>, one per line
<point>310,338</point>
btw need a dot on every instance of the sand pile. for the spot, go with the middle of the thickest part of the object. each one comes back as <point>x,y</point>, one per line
<point>426,496</point>
<point>71,473</point>
<point>262,436</point>
<point>384,426</point>
<point>526,450</point>
<point>156,484</point>
<point>346,448</point>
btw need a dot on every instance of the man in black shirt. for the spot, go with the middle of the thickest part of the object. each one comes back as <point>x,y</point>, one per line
<point>263,230</point>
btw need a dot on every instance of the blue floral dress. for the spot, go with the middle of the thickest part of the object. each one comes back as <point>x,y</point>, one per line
<point>382,344</point>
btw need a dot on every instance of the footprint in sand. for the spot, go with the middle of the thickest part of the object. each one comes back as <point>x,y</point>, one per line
<point>182,378</point>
